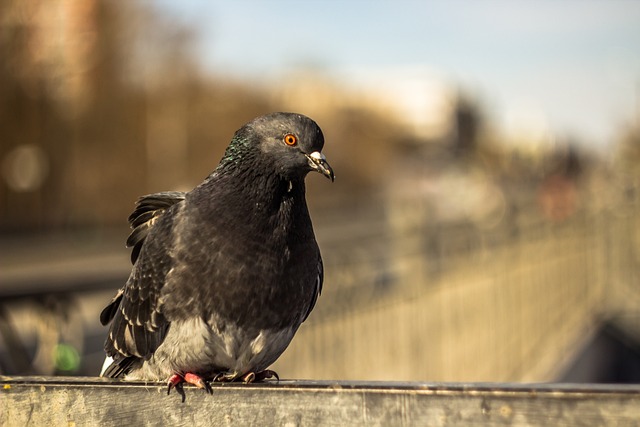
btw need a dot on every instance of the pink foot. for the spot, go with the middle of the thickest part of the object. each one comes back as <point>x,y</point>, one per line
<point>176,381</point>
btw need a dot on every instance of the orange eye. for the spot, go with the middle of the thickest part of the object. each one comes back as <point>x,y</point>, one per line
<point>290,139</point>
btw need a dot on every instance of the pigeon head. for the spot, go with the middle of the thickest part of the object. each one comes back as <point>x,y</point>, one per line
<point>290,144</point>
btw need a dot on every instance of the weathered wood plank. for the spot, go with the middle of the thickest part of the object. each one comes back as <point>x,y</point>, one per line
<point>57,401</point>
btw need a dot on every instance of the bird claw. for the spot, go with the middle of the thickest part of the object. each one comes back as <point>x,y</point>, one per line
<point>267,374</point>
<point>251,377</point>
<point>198,381</point>
<point>222,377</point>
<point>176,381</point>
<point>247,378</point>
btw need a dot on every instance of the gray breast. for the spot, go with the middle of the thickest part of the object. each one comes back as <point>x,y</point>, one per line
<point>194,346</point>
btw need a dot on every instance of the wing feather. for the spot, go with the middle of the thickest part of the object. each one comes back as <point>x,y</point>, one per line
<point>148,210</point>
<point>138,325</point>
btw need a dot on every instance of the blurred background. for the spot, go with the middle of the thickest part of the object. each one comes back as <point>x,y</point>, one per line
<point>484,224</point>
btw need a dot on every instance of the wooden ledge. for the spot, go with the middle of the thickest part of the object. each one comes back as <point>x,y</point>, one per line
<point>68,401</point>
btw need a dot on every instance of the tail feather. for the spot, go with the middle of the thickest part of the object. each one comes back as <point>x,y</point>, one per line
<point>112,368</point>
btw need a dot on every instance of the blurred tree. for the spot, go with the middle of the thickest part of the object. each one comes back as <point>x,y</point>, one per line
<point>31,128</point>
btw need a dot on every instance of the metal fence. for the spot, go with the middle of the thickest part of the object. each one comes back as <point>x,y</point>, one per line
<point>404,299</point>
<point>513,303</point>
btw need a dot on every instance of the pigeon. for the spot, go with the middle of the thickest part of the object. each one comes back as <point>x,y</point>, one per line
<point>223,275</point>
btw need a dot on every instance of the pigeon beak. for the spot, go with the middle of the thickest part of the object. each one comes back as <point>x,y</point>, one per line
<point>318,162</point>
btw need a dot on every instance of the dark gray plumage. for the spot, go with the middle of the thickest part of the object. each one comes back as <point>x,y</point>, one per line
<point>223,275</point>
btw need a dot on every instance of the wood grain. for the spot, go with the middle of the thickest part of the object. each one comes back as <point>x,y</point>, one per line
<point>79,401</point>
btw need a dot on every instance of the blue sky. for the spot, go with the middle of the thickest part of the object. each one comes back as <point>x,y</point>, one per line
<point>577,62</point>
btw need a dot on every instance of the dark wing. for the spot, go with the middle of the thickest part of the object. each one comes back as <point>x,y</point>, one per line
<point>148,209</point>
<point>318,288</point>
<point>137,323</point>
